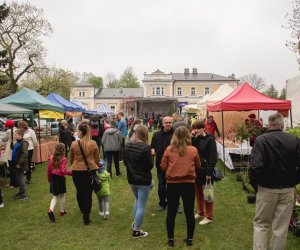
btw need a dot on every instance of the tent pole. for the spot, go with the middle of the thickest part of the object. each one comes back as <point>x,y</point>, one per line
<point>40,135</point>
<point>291,118</point>
<point>223,138</point>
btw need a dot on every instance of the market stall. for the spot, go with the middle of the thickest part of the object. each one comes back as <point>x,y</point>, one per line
<point>29,99</point>
<point>46,149</point>
<point>246,98</point>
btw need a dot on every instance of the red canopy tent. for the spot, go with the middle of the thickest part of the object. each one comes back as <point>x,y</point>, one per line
<point>245,98</point>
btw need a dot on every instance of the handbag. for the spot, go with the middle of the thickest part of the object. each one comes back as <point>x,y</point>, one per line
<point>95,179</point>
<point>217,174</point>
<point>208,191</point>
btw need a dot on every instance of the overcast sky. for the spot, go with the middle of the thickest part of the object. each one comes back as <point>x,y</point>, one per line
<point>215,36</point>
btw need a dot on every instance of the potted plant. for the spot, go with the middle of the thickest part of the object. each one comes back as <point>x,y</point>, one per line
<point>242,134</point>
<point>251,197</point>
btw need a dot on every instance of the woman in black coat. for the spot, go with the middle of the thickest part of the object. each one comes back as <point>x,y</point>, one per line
<point>207,150</point>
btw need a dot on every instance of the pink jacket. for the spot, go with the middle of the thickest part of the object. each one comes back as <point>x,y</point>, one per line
<point>61,171</point>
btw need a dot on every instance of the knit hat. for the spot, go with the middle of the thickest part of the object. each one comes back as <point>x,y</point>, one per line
<point>9,123</point>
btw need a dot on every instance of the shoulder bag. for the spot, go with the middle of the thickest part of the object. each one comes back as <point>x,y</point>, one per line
<point>96,181</point>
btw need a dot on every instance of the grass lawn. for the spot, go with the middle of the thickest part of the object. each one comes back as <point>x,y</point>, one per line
<point>25,224</point>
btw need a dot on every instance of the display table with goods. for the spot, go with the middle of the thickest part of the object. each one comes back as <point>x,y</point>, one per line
<point>235,152</point>
<point>43,151</point>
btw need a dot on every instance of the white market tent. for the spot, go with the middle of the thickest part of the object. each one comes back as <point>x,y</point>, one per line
<point>191,108</point>
<point>293,94</point>
<point>223,91</point>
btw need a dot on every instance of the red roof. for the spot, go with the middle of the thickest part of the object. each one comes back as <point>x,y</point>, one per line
<point>245,97</point>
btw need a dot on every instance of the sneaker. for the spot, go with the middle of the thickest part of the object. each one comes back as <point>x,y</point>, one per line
<point>28,182</point>
<point>198,216</point>
<point>171,243</point>
<point>51,216</point>
<point>205,221</point>
<point>21,197</point>
<point>119,174</point>
<point>139,234</point>
<point>87,222</point>
<point>188,242</point>
<point>1,205</point>
<point>101,213</point>
<point>106,215</point>
<point>160,208</point>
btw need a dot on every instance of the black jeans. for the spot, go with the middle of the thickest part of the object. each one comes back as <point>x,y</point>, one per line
<point>82,182</point>
<point>113,155</point>
<point>162,187</point>
<point>1,201</point>
<point>187,192</point>
<point>28,171</point>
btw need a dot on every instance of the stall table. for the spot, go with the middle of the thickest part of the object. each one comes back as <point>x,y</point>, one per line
<point>239,149</point>
<point>47,149</point>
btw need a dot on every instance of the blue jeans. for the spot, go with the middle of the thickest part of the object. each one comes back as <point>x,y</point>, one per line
<point>141,194</point>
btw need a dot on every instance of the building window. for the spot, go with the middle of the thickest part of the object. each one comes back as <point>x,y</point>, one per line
<point>113,108</point>
<point>206,91</point>
<point>81,93</point>
<point>193,91</point>
<point>158,91</point>
<point>179,91</point>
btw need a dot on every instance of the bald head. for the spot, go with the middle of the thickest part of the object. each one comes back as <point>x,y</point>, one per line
<point>167,123</point>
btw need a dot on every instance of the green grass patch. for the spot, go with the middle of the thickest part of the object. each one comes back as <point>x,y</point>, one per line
<point>25,224</point>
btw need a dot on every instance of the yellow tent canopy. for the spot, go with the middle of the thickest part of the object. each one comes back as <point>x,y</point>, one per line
<point>51,114</point>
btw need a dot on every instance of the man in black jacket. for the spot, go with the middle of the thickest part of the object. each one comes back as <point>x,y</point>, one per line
<point>160,141</point>
<point>275,168</point>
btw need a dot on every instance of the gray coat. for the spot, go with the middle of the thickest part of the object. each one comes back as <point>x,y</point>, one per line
<point>112,140</point>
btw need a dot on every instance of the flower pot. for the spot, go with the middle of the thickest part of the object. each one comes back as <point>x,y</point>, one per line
<point>251,199</point>
<point>239,178</point>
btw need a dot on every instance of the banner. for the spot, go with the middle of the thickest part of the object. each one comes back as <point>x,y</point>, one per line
<point>51,114</point>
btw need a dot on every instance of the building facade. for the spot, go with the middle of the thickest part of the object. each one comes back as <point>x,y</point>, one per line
<point>161,93</point>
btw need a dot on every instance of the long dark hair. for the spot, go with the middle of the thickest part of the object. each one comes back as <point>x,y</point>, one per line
<point>58,154</point>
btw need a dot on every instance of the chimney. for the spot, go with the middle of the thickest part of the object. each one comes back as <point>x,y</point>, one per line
<point>232,76</point>
<point>195,71</point>
<point>186,71</point>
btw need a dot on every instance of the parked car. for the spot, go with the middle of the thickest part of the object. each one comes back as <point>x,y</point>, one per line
<point>44,129</point>
<point>54,128</point>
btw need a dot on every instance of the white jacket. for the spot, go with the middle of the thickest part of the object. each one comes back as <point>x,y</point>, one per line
<point>30,137</point>
<point>7,139</point>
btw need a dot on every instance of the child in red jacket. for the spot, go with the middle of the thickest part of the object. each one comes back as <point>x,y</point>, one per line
<point>56,177</point>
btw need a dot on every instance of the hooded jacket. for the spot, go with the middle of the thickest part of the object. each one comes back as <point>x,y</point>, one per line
<point>112,140</point>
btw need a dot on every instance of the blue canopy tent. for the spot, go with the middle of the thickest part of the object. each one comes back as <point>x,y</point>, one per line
<point>68,106</point>
<point>104,109</point>
<point>86,111</point>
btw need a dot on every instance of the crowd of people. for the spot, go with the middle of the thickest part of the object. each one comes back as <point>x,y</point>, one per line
<point>185,158</point>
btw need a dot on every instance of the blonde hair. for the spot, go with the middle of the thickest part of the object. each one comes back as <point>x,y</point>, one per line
<point>180,140</point>
<point>141,133</point>
<point>58,154</point>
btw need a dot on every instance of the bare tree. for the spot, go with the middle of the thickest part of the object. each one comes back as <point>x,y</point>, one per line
<point>52,80</point>
<point>294,26</point>
<point>21,35</point>
<point>254,80</point>
<point>111,80</point>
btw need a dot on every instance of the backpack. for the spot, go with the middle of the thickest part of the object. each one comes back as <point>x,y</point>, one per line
<point>95,129</point>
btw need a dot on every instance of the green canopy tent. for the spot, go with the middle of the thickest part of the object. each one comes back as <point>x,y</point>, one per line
<point>6,109</point>
<point>29,99</point>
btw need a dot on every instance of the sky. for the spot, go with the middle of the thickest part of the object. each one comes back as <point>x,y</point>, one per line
<point>214,36</point>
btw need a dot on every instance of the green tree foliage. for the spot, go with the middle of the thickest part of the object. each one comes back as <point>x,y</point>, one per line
<point>97,81</point>
<point>21,35</point>
<point>282,95</point>
<point>128,79</point>
<point>271,91</point>
<point>50,80</point>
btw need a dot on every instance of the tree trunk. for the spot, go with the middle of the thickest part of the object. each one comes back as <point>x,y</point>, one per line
<point>13,86</point>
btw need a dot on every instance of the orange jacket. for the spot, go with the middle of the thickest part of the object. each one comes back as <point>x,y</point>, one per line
<point>180,169</point>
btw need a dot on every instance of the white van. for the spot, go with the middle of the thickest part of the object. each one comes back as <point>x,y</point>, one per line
<point>44,129</point>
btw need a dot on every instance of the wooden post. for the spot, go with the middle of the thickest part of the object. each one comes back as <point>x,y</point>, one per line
<point>223,138</point>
